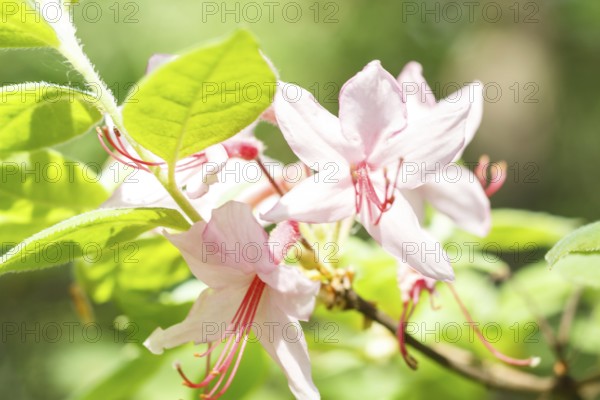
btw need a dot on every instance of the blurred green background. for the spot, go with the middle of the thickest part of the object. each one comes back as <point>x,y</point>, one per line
<point>539,61</point>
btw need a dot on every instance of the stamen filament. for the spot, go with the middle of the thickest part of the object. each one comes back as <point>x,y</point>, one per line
<point>363,187</point>
<point>125,153</point>
<point>401,335</point>
<point>118,151</point>
<point>271,179</point>
<point>529,362</point>
<point>229,360</point>
<point>117,157</point>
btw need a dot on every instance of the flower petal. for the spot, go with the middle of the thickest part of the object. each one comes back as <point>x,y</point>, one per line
<point>416,200</point>
<point>420,100</point>
<point>408,281</point>
<point>426,146</point>
<point>283,339</point>
<point>312,132</point>
<point>204,261</point>
<point>417,94</point>
<point>292,291</point>
<point>238,238</point>
<point>199,178</point>
<point>400,233</point>
<point>284,235</point>
<point>157,60</point>
<point>474,93</point>
<point>206,322</point>
<point>371,107</point>
<point>315,200</point>
<point>461,197</point>
<point>140,189</point>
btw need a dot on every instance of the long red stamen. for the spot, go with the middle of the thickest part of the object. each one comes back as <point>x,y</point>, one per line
<point>116,156</point>
<point>529,362</point>
<point>196,160</point>
<point>270,178</point>
<point>118,151</point>
<point>120,147</point>
<point>228,362</point>
<point>364,188</point>
<point>122,150</point>
<point>413,296</point>
<point>401,335</point>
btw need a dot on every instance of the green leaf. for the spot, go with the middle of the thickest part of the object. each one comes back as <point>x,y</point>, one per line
<point>22,26</point>
<point>201,98</point>
<point>42,188</point>
<point>463,258</point>
<point>87,235</point>
<point>521,226</point>
<point>577,256</point>
<point>147,311</point>
<point>145,265</point>
<point>517,236</point>
<point>581,269</point>
<point>584,240</point>
<point>138,277</point>
<point>37,115</point>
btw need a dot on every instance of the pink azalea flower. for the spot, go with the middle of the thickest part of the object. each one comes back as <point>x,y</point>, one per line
<point>369,148</point>
<point>412,284</point>
<point>456,191</point>
<point>249,288</point>
<point>195,175</point>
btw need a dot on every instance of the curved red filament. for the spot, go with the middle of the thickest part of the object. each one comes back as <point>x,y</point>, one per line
<point>228,362</point>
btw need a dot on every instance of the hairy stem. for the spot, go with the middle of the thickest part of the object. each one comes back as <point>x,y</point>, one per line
<point>180,199</point>
<point>71,49</point>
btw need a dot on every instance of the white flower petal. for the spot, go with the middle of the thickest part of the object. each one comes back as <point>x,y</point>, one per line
<point>400,233</point>
<point>206,322</point>
<point>417,94</point>
<point>206,264</point>
<point>140,189</point>
<point>426,146</point>
<point>312,132</point>
<point>283,339</point>
<point>371,108</point>
<point>292,291</point>
<point>461,197</point>
<point>315,200</point>
<point>421,102</point>
<point>239,239</point>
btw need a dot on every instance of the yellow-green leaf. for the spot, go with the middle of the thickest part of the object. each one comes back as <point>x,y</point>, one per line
<point>201,98</point>
<point>22,26</point>
<point>38,115</point>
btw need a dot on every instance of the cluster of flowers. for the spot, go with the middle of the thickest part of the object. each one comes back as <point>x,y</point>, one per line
<point>380,132</point>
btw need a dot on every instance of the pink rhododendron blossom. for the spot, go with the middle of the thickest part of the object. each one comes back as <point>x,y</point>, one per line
<point>375,151</point>
<point>246,290</point>
<point>454,191</point>
<point>195,175</point>
<point>412,284</point>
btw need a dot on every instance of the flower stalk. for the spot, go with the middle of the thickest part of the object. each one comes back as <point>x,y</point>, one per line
<point>71,49</point>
